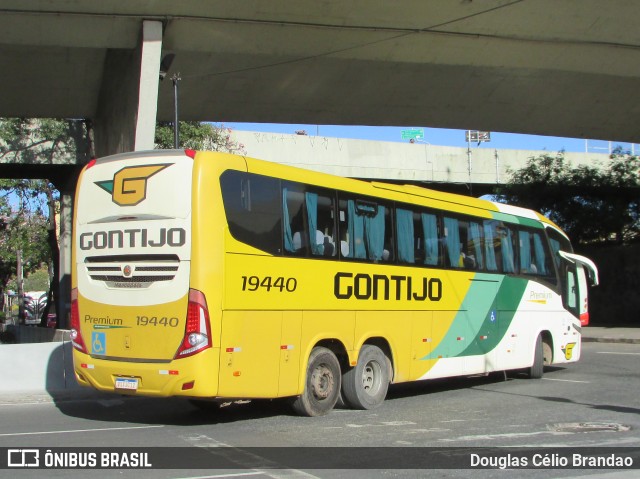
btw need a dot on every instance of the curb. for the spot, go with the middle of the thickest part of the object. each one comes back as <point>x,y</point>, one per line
<point>611,340</point>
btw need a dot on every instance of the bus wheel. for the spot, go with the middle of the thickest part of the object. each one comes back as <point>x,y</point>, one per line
<point>537,368</point>
<point>322,386</point>
<point>365,386</point>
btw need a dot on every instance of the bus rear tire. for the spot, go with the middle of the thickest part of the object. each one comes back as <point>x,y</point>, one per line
<point>322,384</point>
<point>537,368</point>
<point>365,385</point>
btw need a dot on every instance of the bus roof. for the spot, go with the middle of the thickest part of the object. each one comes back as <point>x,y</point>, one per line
<point>407,193</point>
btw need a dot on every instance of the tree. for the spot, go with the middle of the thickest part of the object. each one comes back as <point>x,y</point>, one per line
<point>26,232</point>
<point>197,136</point>
<point>597,203</point>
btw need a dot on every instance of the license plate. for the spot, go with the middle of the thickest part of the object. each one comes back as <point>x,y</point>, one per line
<point>130,384</point>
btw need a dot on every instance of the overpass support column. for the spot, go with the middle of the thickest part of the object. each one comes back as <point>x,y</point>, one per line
<point>128,101</point>
<point>65,240</point>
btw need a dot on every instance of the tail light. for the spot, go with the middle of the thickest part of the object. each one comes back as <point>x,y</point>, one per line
<point>584,319</point>
<point>75,334</point>
<point>197,333</point>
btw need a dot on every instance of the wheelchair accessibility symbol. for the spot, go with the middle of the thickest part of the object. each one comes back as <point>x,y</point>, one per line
<point>98,343</point>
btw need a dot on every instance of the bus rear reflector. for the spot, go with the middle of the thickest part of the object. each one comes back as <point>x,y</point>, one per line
<point>75,334</point>
<point>190,153</point>
<point>197,332</point>
<point>584,319</point>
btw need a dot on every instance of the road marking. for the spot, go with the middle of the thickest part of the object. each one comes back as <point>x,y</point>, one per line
<point>216,476</point>
<point>505,435</point>
<point>76,430</point>
<point>623,354</point>
<point>567,380</point>
<point>231,454</point>
<point>383,424</point>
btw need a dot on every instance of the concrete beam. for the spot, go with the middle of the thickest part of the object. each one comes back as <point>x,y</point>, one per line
<point>127,106</point>
<point>418,162</point>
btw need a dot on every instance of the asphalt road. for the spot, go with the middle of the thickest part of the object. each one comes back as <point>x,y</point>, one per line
<point>593,403</point>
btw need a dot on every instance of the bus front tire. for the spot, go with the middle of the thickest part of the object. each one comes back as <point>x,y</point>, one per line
<point>322,384</point>
<point>365,385</point>
<point>537,368</point>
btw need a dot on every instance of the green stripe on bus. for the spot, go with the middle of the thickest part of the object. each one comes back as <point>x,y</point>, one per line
<point>484,316</point>
<point>519,220</point>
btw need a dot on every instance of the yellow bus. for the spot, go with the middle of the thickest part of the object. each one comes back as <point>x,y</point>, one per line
<point>208,275</point>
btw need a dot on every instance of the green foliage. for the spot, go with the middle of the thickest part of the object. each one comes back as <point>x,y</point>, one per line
<point>196,135</point>
<point>38,280</point>
<point>26,232</point>
<point>27,205</point>
<point>591,203</point>
<point>28,140</point>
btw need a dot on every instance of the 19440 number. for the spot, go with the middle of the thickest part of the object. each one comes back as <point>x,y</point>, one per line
<point>155,321</point>
<point>253,283</point>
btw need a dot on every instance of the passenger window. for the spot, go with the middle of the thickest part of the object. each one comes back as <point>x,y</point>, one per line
<point>474,245</point>
<point>309,221</point>
<point>535,257</point>
<point>527,266</point>
<point>321,214</point>
<point>452,244</point>
<point>462,241</point>
<point>296,236</point>
<point>429,239</point>
<point>500,252</point>
<point>417,237</point>
<point>405,232</point>
<point>491,242</point>
<point>365,230</point>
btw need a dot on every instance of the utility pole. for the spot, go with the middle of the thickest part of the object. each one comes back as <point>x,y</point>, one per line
<point>20,280</point>
<point>176,127</point>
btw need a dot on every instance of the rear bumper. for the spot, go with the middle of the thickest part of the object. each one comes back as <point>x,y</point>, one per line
<point>195,376</point>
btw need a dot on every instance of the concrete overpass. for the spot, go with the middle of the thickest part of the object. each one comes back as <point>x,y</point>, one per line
<point>564,68</point>
<point>467,171</point>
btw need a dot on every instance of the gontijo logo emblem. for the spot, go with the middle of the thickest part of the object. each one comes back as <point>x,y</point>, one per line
<point>129,185</point>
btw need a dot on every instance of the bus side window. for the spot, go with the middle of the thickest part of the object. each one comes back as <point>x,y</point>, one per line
<point>405,234</point>
<point>431,244</point>
<point>309,221</point>
<point>507,248</point>
<point>365,230</point>
<point>321,224</point>
<point>296,235</point>
<point>527,266</point>
<point>475,241</point>
<point>251,205</point>
<point>492,248</point>
<point>462,243</point>
<point>453,246</point>
<point>389,241</point>
<point>535,258</point>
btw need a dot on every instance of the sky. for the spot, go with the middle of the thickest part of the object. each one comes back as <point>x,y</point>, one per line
<point>441,137</point>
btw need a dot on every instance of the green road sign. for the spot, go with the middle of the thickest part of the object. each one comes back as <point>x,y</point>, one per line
<point>413,134</point>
